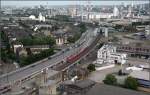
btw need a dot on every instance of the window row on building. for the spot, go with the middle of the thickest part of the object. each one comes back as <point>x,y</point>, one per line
<point>133,49</point>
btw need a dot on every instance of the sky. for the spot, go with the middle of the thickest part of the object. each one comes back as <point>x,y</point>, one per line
<point>71,2</point>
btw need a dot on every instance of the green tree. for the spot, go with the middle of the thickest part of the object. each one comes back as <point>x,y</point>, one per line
<point>110,79</point>
<point>82,27</point>
<point>74,38</point>
<point>100,45</point>
<point>6,54</point>
<point>61,18</point>
<point>91,67</point>
<point>36,57</point>
<point>131,83</point>
<point>71,39</point>
<point>120,72</point>
<point>38,40</point>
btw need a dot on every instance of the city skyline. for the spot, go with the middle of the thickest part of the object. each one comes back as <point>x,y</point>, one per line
<point>75,47</point>
<point>73,2</point>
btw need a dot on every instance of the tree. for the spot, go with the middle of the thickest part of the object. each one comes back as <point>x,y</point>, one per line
<point>82,27</point>
<point>43,40</point>
<point>6,54</point>
<point>120,72</point>
<point>131,83</point>
<point>74,38</point>
<point>100,45</point>
<point>36,57</point>
<point>61,18</point>
<point>91,67</point>
<point>115,39</point>
<point>110,79</point>
<point>71,39</point>
<point>118,26</point>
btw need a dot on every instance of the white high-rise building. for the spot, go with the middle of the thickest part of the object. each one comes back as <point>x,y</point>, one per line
<point>108,54</point>
<point>147,29</point>
<point>130,14</point>
<point>116,11</point>
<point>106,32</point>
<point>41,18</point>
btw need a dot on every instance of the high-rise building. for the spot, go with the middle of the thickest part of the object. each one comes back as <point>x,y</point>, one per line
<point>130,14</point>
<point>41,18</point>
<point>106,32</point>
<point>116,11</point>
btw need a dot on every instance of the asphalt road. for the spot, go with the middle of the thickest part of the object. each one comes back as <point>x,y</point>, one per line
<point>39,66</point>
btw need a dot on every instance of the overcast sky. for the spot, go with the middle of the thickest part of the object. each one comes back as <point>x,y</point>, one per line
<point>73,2</point>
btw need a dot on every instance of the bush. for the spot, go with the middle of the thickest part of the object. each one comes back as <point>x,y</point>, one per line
<point>36,57</point>
<point>100,45</point>
<point>74,38</point>
<point>110,79</point>
<point>71,39</point>
<point>131,83</point>
<point>61,18</point>
<point>43,40</point>
<point>82,27</point>
<point>120,72</point>
<point>91,67</point>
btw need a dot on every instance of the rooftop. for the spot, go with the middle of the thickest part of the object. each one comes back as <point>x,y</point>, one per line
<point>89,87</point>
<point>102,89</point>
<point>141,75</point>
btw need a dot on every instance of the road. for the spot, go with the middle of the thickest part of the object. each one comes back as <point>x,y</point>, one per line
<point>47,63</point>
<point>89,46</point>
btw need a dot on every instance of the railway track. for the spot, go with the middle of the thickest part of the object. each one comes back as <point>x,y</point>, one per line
<point>73,59</point>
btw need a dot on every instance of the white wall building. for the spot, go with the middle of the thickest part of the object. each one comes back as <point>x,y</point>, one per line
<point>95,15</point>
<point>40,17</point>
<point>60,41</point>
<point>147,29</point>
<point>108,54</point>
<point>106,32</point>
<point>32,17</point>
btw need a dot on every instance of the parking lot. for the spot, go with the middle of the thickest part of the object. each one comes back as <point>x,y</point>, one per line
<point>99,76</point>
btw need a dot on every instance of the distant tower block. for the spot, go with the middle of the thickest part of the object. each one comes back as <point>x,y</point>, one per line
<point>106,32</point>
<point>41,18</point>
<point>49,12</point>
<point>116,11</point>
<point>88,8</point>
<point>130,12</point>
<point>147,29</point>
<point>132,5</point>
